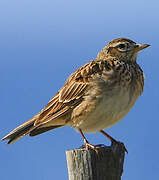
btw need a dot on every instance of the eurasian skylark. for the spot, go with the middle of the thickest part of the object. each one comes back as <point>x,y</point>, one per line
<point>94,97</point>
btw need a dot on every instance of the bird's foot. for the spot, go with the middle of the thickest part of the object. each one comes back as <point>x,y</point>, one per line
<point>88,146</point>
<point>113,141</point>
<point>121,144</point>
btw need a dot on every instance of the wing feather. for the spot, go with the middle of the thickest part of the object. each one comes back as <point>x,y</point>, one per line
<point>71,94</point>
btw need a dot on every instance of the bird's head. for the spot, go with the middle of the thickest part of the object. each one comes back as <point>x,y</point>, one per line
<point>122,49</point>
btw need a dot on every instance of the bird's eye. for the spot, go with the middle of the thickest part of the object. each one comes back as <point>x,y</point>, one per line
<point>121,46</point>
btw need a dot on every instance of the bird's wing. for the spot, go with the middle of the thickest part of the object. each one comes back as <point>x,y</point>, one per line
<point>71,94</point>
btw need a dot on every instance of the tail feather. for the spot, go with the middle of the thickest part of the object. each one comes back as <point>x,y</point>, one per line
<point>28,127</point>
<point>41,130</point>
<point>20,131</point>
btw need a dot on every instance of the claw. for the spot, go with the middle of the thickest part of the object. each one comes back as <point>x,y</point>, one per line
<point>114,141</point>
<point>90,146</point>
<point>87,145</point>
<point>123,146</point>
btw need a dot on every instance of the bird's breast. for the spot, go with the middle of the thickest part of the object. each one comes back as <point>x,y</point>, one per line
<point>101,110</point>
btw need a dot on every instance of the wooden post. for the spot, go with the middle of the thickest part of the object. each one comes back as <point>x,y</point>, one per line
<point>88,165</point>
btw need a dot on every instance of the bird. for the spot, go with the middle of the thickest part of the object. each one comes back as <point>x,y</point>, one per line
<point>94,97</point>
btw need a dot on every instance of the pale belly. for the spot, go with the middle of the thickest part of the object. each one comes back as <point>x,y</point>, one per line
<point>107,112</point>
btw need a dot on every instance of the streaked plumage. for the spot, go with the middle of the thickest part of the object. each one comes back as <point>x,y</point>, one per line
<point>95,96</point>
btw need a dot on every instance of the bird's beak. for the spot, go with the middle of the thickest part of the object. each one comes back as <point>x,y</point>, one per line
<point>139,47</point>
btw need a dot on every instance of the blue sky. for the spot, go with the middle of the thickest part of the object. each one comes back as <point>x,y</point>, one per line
<point>41,43</point>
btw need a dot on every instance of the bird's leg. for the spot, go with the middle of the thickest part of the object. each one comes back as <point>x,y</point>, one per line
<point>113,140</point>
<point>86,143</point>
<point>108,136</point>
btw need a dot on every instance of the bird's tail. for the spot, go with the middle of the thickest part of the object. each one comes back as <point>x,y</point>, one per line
<point>20,131</point>
<point>30,128</point>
